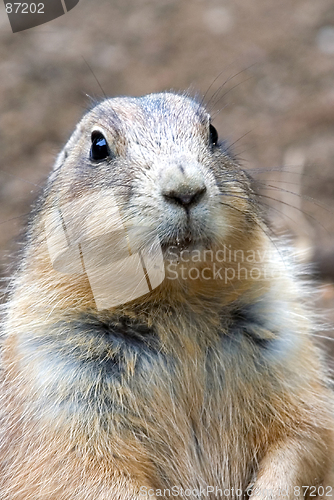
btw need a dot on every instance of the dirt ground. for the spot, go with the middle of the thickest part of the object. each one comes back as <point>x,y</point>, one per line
<point>266,68</point>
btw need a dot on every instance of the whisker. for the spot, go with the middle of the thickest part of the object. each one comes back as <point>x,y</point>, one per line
<point>222,86</point>
<point>283,171</point>
<point>278,181</point>
<point>211,85</point>
<point>229,90</point>
<point>247,149</point>
<point>21,179</point>
<point>14,218</point>
<point>97,81</point>
<point>262,203</point>
<point>236,179</point>
<point>281,189</point>
<point>259,225</point>
<point>303,196</point>
<point>278,211</point>
<point>296,208</point>
<point>241,137</point>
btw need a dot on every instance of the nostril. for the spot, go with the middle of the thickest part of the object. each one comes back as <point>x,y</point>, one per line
<point>184,199</point>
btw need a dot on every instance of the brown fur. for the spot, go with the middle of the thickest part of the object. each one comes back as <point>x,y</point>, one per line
<point>201,382</point>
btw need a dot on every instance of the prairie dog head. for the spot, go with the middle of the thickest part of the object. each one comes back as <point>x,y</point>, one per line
<point>154,168</point>
<point>161,157</point>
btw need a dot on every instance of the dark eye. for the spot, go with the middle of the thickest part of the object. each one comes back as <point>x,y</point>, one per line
<point>99,149</point>
<point>213,135</point>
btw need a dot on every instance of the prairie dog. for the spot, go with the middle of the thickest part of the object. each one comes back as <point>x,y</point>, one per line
<point>156,341</point>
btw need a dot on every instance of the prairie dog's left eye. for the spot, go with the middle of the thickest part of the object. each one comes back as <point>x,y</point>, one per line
<point>99,149</point>
<point>213,135</point>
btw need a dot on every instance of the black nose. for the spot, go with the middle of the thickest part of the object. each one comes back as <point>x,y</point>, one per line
<point>184,199</point>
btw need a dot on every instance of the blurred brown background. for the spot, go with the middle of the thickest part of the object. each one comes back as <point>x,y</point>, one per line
<point>273,98</point>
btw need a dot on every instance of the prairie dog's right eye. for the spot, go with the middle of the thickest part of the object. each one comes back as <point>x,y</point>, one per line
<point>213,135</point>
<point>99,149</point>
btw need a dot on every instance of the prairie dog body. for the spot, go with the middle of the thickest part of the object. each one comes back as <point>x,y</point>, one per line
<point>208,378</point>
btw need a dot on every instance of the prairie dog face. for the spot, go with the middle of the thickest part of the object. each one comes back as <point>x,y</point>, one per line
<point>161,157</point>
<point>142,185</point>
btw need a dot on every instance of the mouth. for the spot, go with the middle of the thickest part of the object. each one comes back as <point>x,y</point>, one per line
<point>178,244</point>
<point>189,242</point>
<point>191,234</point>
